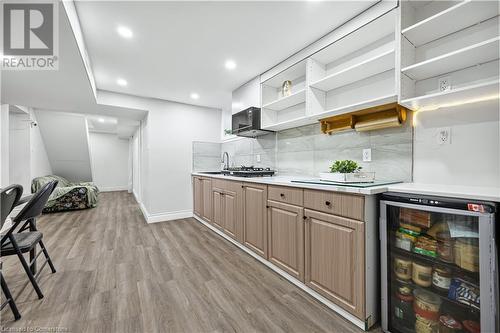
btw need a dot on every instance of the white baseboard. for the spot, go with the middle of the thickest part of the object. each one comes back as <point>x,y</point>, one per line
<point>169,216</point>
<point>136,197</point>
<point>354,320</point>
<point>113,188</point>
<point>163,217</point>
<point>143,209</point>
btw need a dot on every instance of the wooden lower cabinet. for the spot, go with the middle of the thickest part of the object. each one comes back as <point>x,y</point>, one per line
<point>255,218</point>
<point>217,202</point>
<point>206,213</point>
<point>286,237</point>
<point>335,260</point>
<point>202,198</point>
<point>231,214</point>
<point>317,238</point>
<point>197,196</point>
<point>227,208</point>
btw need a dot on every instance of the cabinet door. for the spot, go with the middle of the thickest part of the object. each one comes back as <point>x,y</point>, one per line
<point>207,199</point>
<point>230,212</point>
<point>255,218</point>
<point>334,259</point>
<point>286,237</point>
<point>197,196</point>
<point>217,204</point>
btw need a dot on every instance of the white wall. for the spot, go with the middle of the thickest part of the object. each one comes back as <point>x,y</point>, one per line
<point>166,151</point>
<point>23,151</point>
<point>4,145</point>
<point>136,186</point>
<point>40,164</point>
<point>19,150</point>
<point>110,161</point>
<point>472,157</point>
<point>66,141</point>
<point>172,129</point>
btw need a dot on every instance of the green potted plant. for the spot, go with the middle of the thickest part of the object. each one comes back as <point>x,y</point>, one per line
<point>347,171</point>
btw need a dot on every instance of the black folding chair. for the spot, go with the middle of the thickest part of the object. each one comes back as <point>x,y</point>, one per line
<point>22,241</point>
<point>9,197</point>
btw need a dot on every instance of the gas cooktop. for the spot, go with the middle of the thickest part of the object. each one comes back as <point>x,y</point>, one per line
<point>248,171</point>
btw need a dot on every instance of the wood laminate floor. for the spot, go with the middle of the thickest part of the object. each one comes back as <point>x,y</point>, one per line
<point>116,273</point>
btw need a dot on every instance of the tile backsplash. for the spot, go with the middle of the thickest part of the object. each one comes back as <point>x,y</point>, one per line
<point>206,156</point>
<point>246,151</point>
<point>306,151</point>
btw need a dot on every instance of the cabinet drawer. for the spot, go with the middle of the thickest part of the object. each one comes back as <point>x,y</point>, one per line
<point>218,184</point>
<point>222,185</point>
<point>347,205</point>
<point>289,195</point>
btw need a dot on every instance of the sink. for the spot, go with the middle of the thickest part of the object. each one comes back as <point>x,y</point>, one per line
<point>211,172</point>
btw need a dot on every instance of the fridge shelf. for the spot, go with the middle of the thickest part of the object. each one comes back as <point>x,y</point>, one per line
<point>442,295</point>
<point>435,261</point>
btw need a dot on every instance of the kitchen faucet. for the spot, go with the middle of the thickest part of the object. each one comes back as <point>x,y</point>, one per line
<point>226,163</point>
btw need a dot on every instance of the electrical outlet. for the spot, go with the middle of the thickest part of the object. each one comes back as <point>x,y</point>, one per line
<point>367,155</point>
<point>444,83</point>
<point>257,157</point>
<point>443,135</point>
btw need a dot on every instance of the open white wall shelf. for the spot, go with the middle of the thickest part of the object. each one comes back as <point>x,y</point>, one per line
<point>449,53</point>
<point>286,102</point>
<point>436,54</point>
<point>463,95</point>
<point>375,65</point>
<point>357,106</point>
<point>471,55</point>
<point>453,19</point>
<point>354,72</point>
<point>276,108</point>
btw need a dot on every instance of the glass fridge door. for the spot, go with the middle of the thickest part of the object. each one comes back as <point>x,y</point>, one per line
<point>433,275</point>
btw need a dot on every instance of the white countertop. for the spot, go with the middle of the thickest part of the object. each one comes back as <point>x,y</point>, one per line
<point>287,181</point>
<point>452,191</point>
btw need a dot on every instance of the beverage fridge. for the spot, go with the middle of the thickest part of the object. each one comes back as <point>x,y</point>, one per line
<point>439,269</point>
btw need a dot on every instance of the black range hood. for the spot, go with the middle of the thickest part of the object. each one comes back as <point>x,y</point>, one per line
<point>247,123</point>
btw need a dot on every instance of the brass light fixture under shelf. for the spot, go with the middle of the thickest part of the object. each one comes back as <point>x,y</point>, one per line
<point>374,118</point>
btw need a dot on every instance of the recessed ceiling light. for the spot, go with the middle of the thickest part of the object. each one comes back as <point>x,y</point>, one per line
<point>125,32</point>
<point>230,64</point>
<point>194,95</point>
<point>101,120</point>
<point>121,82</point>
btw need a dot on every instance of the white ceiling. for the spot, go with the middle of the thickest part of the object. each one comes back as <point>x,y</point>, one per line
<point>180,47</point>
<point>66,89</point>
<point>122,127</point>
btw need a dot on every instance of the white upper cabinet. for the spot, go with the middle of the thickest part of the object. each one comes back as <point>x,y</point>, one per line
<point>246,96</point>
<point>355,71</point>
<point>423,54</point>
<point>449,52</point>
<point>281,110</point>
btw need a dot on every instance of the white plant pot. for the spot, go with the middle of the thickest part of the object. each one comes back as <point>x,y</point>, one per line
<point>354,177</point>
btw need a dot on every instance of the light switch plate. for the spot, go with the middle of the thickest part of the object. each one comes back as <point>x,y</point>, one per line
<point>257,157</point>
<point>367,155</point>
